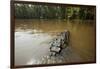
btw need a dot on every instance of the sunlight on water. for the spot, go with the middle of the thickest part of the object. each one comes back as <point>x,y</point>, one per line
<point>33,37</point>
<point>30,44</point>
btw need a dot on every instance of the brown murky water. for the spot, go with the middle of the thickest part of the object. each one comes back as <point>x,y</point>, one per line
<point>32,39</point>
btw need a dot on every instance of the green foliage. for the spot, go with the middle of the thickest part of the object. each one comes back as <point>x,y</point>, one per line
<point>30,11</point>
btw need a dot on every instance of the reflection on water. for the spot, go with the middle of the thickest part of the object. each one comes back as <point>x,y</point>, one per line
<point>32,39</point>
<point>28,45</point>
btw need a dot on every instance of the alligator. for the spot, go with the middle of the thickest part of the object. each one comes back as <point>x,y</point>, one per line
<point>59,43</point>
